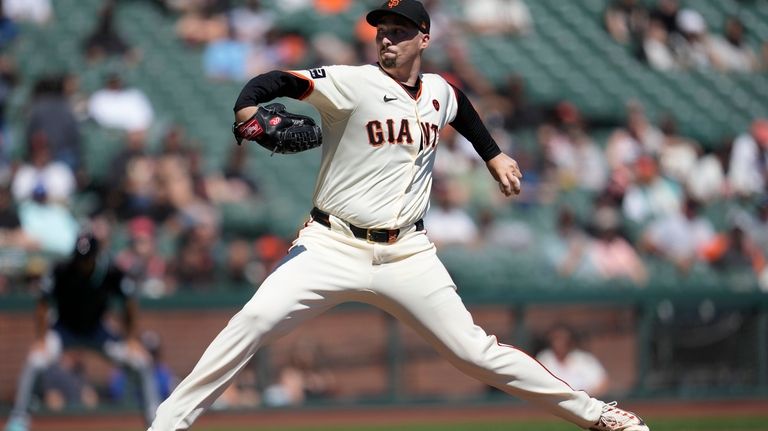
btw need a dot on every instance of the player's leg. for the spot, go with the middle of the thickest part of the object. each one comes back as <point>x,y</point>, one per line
<point>420,293</point>
<point>313,278</point>
<point>138,363</point>
<point>38,360</point>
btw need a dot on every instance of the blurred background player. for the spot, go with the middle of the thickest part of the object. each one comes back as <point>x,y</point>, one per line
<point>82,289</point>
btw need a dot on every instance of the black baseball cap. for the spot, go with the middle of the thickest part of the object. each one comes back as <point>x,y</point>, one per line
<point>412,10</point>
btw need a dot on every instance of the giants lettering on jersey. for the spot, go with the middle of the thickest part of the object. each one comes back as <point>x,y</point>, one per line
<point>378,133</point>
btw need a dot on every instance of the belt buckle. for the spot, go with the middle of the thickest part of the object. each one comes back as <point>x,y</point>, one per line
<point>368,237</point>
<point>392,235</point>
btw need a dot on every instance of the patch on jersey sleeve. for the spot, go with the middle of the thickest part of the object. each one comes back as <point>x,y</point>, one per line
<point>317,73</point>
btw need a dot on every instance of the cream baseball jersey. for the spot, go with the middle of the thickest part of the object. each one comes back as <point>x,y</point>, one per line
<point>379,143</point>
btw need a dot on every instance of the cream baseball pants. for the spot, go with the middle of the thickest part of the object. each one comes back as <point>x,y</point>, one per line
<point>329,266</point>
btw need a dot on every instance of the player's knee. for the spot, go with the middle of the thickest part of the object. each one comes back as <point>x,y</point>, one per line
<point>477,354</point>
<point>254,320</point>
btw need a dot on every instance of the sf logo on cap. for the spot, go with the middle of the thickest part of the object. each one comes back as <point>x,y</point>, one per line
<point>393,3</point>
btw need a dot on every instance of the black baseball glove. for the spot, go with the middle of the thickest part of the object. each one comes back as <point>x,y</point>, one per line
<point>278,130</point>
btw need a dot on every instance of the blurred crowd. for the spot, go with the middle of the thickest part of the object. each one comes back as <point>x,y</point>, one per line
<point>671,37</point>
<point>623,195</point>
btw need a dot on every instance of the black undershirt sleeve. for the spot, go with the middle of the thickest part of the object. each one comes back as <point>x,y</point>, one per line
<point>469,124</point>
<point>270,85</point>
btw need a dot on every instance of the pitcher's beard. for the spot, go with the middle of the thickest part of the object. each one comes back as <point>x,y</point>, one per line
<point>389,63</point>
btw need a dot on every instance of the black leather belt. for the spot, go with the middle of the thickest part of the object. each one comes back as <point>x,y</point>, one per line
<point>387,236</point>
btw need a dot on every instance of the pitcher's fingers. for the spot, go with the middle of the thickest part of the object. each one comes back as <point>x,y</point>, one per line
<point>505,187</point>
<point>516,185</point>
<point>516,171</point>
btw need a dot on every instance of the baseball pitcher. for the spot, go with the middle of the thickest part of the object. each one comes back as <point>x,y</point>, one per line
<point>365,239</point>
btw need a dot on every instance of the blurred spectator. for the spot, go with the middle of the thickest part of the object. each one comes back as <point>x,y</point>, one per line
<point>41,170</point>
<point>679,237</point>
<point>755,224</point>
<point>133,187</point>
<point>448,221</point>
<point>141,260</point>
<point>303,378</point>
<point>242,266</point>
<point>678,155</point>
<point>625,20</point>
<point>456,156</point>
<point>50,112</point>
<point>195,264</point>
<point>734,252</point>
<point>105,41</point>
<point>226,58</point>
<point>523,113</point>
<point>731,52</point>
<point>9,30</point>
<point>638,136</point>
<point>120,107</point>
<point>175,143</point>
<point>651,195</point>
<point>329,48</point>
<point>665,12</point>
<point>270,250</point>
<point>165,380</point>
<point>692,46</point>
<point>49,224</point>
<point>181,182</point>
<point>233,183</point>
<point>495,231</point>
<point>65,385</point>
<point>566,248</point>
<point>612,255</point>
<point>626,144</point>
<point>242,393</point>
<point>497,16</point>
<point>579,368</point>
<point>707,180</point>
<point>76,97</point>
<point>283,49</point>
<point>201,23</point>
<point>748,168</point>
<point>577,159</point>
<point>11,233</point>
<point>656,49</point>
<point>445,29</point>
<point>250,21</point>
<point>35,11</point>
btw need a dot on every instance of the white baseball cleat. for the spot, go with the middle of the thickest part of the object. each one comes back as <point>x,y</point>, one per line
<point>616,419</point>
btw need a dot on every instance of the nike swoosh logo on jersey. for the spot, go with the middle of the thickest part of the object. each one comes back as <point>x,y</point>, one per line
<point>389,99</point>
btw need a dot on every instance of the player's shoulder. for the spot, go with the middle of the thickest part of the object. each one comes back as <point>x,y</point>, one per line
<point>434,79</point>
<point>437,83</point>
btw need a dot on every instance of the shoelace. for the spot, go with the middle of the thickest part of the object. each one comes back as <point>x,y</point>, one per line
<point>614,416</point>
